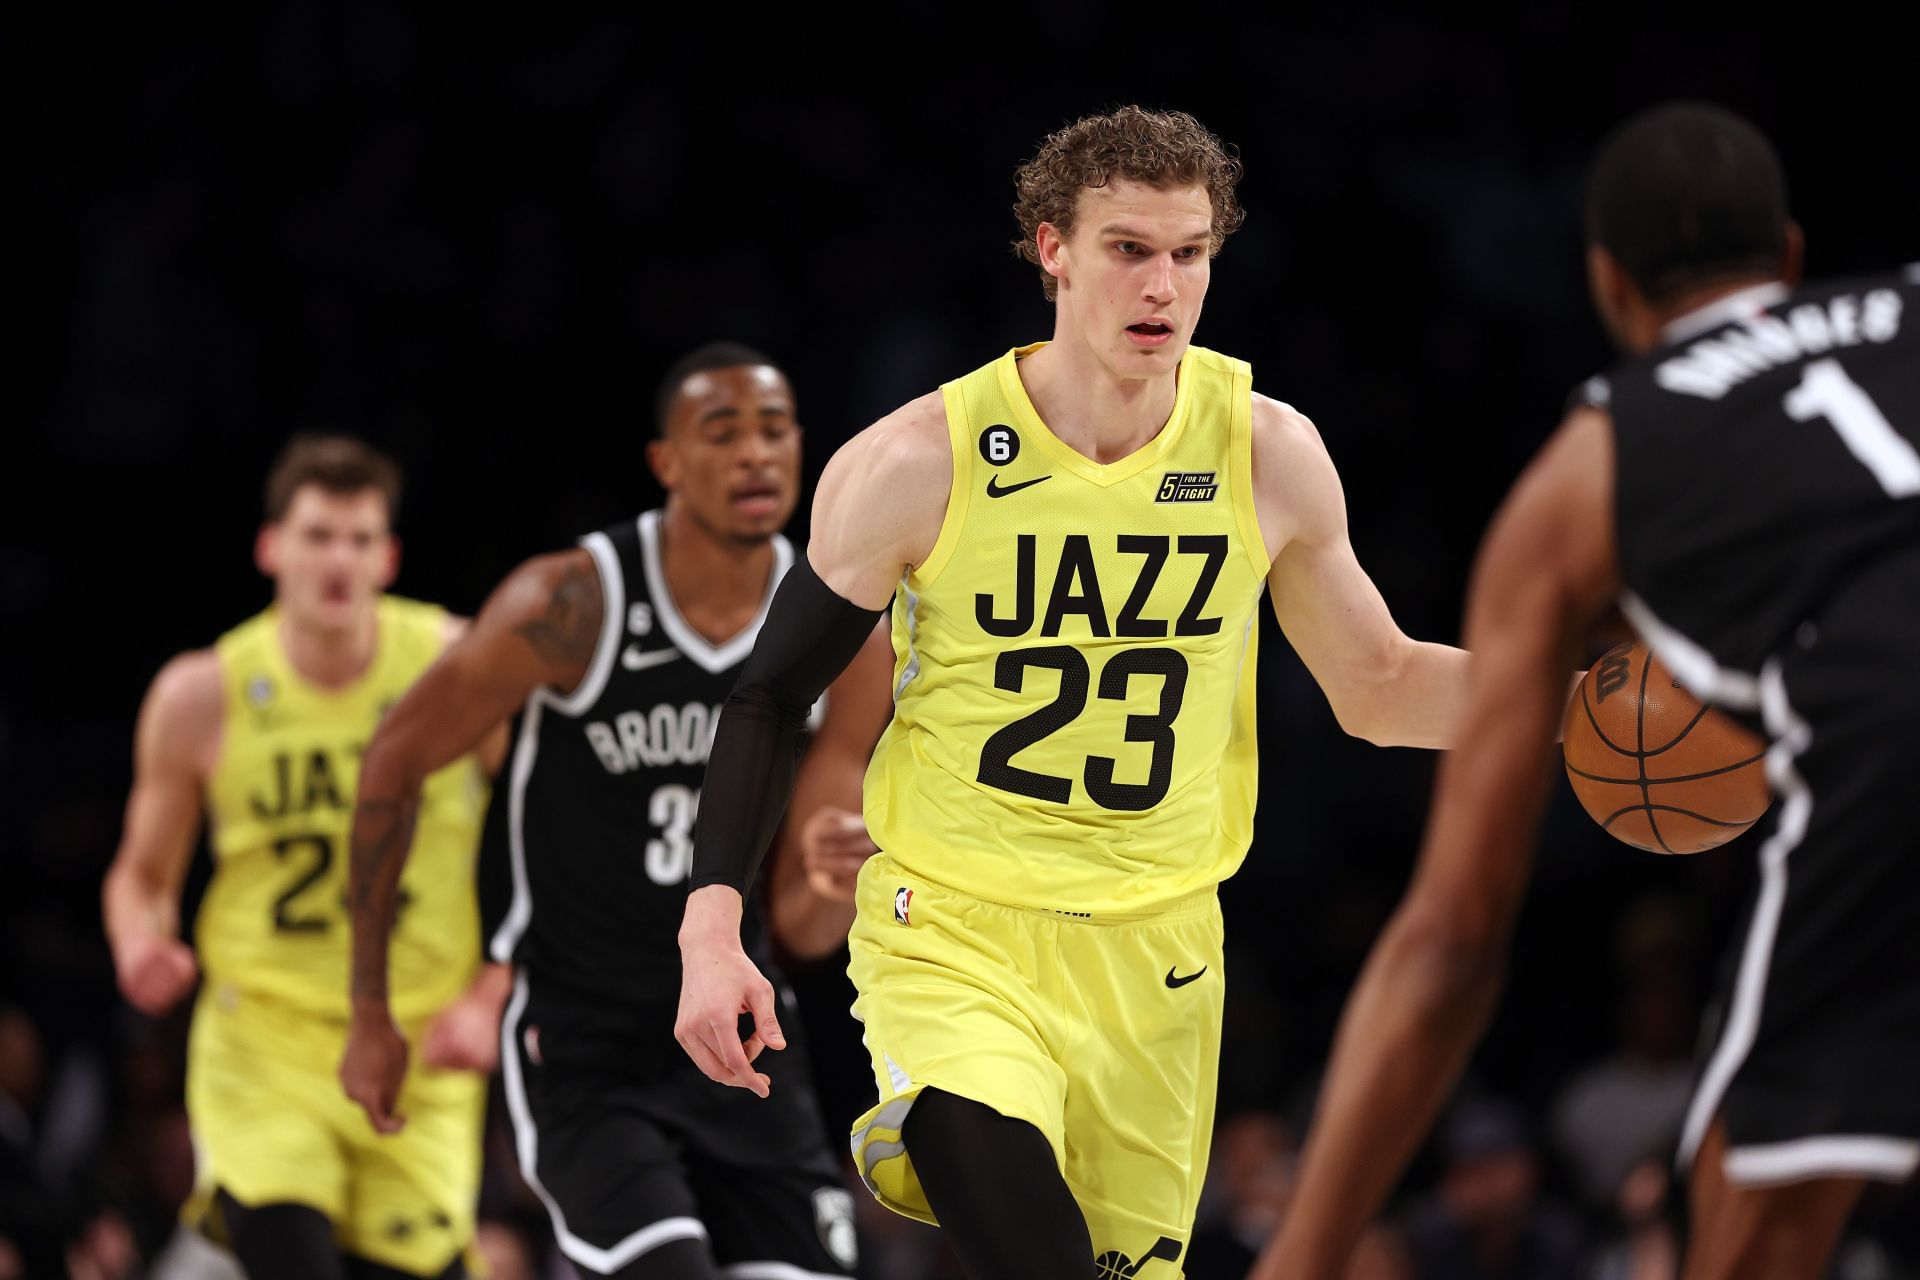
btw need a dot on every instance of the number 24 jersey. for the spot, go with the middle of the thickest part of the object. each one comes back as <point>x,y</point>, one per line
<point>274,920</point>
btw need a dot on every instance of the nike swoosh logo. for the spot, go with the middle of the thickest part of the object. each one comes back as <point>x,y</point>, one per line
<point>633,659</point>
<point>995,491</point>
<point>1181,982</point>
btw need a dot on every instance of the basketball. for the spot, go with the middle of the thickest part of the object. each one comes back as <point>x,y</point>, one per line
<point>1654,766</point>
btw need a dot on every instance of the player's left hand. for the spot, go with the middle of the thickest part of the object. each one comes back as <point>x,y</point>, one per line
<point>374,1067</point>
<point>719,983</point>
<point>465,1036</point>
<point>834,845</point>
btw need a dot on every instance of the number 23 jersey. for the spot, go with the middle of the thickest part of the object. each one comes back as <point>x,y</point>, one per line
<point>281,796</point>
<point>1074,660</point>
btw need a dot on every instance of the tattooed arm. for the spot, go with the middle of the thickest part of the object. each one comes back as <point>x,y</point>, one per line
<point>539,628</point>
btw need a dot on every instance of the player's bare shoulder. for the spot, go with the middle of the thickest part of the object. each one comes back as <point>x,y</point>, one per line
<point>1296,491</point>
<point>185,710</point>
<point>882,499</point>
<point>553,602</point>
<point>906,452</point>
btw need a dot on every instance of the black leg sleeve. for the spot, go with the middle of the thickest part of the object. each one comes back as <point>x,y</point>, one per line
<point>999,1196</point>
<point>281,1241</point>
<point>809,637</point>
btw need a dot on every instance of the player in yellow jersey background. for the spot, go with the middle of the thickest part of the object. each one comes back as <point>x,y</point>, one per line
<point>262,733</point>
<point>1074,540</point>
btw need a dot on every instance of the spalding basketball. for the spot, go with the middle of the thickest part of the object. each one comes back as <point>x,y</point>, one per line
<point>1654,766</point>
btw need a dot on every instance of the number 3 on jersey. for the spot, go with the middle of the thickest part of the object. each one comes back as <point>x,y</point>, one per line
<point>672,811</point>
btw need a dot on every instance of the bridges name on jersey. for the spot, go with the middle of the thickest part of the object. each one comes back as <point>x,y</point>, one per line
<point>1766,452</point>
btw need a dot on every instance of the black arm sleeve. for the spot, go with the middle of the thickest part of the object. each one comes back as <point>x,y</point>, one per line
<point>809,637</point>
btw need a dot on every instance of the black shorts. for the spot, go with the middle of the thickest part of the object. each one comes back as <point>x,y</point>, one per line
<point>1813,1047</point>
<point>630,1146</point>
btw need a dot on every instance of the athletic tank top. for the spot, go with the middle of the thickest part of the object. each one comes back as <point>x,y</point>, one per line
<point>1073,714</point>
<point>274,920</point>
<point>595,817</point>
<point>1765,453</point>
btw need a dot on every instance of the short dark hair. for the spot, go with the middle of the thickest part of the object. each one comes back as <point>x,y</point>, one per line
<point>1159,148</point>
<point>1684,193</point>
<point>338,464</point>
<point>715,355</point>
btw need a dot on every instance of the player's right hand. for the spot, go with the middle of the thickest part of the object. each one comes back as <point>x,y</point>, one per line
<point>155,971</point>
<point>374,1067</point>
<point>834,845</point>
<point>718,983</point>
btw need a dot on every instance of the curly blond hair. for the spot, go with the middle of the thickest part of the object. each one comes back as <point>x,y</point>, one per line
<point>1162,149</point>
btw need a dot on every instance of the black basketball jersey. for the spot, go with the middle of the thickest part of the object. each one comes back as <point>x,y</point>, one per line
<point>594,813</point>
<point>1764,454</point>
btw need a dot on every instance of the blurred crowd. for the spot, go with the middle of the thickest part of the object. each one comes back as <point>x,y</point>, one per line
<point>96,1158</point>
<point>479,247</point>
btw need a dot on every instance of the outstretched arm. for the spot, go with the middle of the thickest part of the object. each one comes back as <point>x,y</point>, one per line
<point>1545,573</point>
<point>878,510</point>
<point>1383,686</point>
<point>174,749</point>
<point>825,841</point>
<point>539,628</point>
<point>465,1034</point>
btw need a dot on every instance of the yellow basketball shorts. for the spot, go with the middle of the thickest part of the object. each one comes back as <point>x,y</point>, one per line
<point>271,1124</point>
<point>1103,1033</point>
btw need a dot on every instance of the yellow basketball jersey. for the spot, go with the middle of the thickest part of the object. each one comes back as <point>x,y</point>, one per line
<point>1073,719</point>
<point>274,921</point>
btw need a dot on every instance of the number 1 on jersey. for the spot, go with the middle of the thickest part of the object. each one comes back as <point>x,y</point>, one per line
<point>1825,391</point>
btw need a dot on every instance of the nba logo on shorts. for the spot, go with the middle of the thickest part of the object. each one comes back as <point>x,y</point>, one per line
<point>901,900</point>
<point>833,1218</point>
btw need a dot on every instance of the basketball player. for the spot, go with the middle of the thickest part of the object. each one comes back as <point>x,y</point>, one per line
<point>1747,486</point>
<point>1075,539</point>
<point>617,655</point>
<point>265,730</point>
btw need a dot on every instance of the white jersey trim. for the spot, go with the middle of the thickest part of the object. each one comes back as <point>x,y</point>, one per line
<point>1696,668</point>
<point>1701,673</point>
<point>910,670</point>
<point>526,1141</point>
<point>1791,736</point>
<point>777,1271</point>
<point>520,911</point>
<point>1741,305</point>
<point>613,599</point>
<point>1837,1156</point>
<point>711,657</point>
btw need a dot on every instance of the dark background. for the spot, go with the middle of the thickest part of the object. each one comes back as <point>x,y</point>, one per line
<point>478,241</point>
